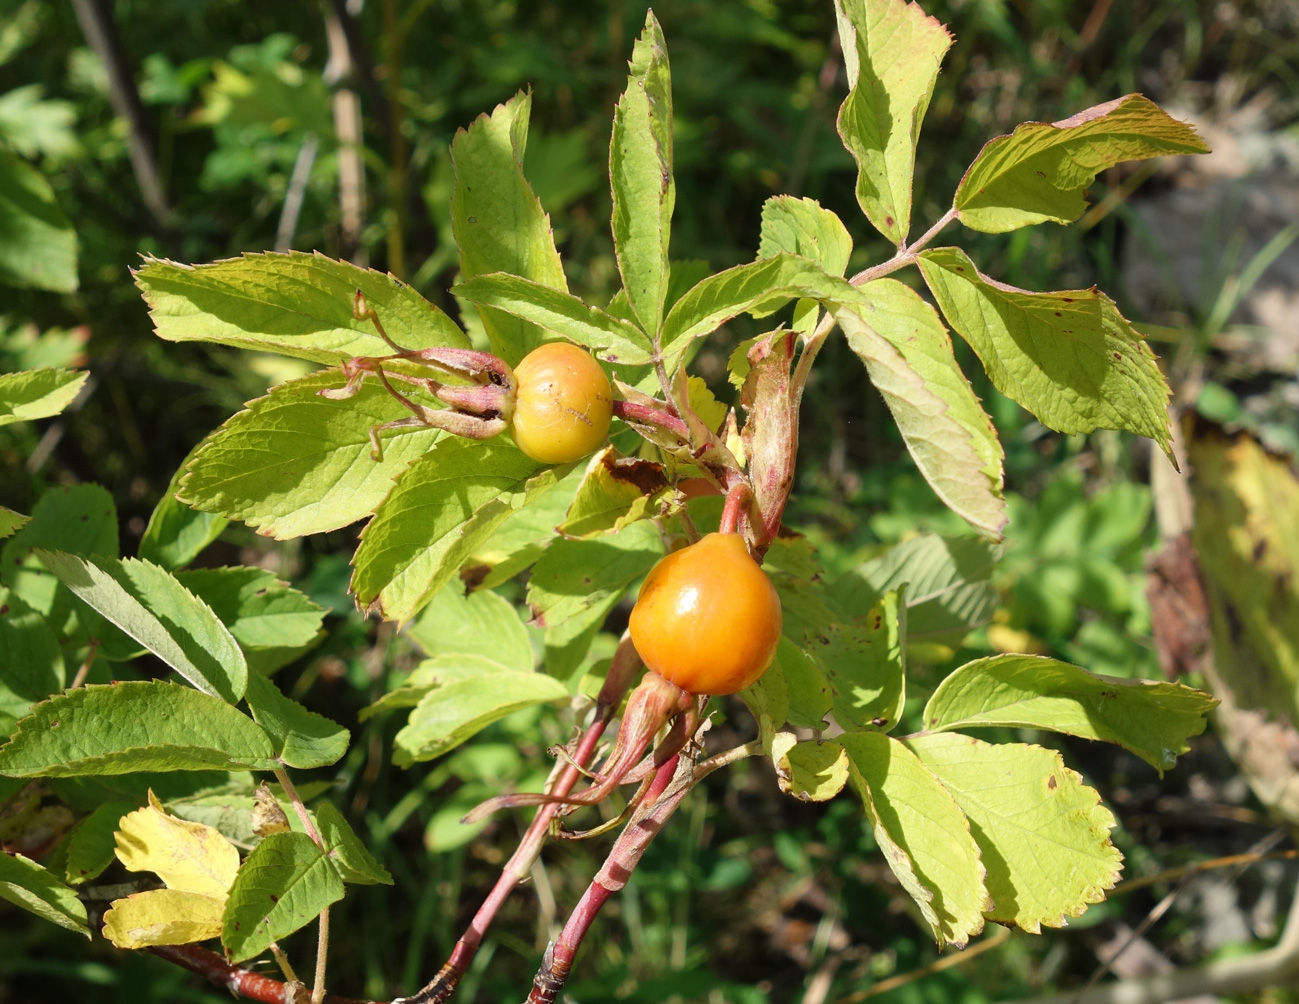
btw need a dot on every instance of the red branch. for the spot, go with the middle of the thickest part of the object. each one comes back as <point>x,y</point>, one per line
<point>613,875</point>
<point>240,982</point>
<point>626,663</point>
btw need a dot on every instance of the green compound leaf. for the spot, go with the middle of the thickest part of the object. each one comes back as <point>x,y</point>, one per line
<point>909,357</point>
<point>482,623</point>
<point>609,338</point>
<point>149,604</point>
<point>272,622</point>
<point>811,772</point>
<point>134,726</point>
<point>294,463</point>
<point>91,844</point>
<point>295,304</point>
<point>302,738</point>
<point>640,173</point>
<point>762,284</point>
<point>461,696</point>
<point>37,393</point>
<point>1069,357</point>
<point>924,835</point>
<point>948,580</point>
<point>574,577</point>
<point>862,661</point>
<point>26,884</point>
<point>498,221</point>
<point>283,885</point>
<point>1152,720</point>
<point>31,663</point>
<point>1045,836</point>
<point>803,227</point>
<point>177,533</point>
<point>1041,171</point>
<point>38,244</point>
<point>615,492</point>
<point>892,52</point>
<point>355,864</point>
<point>444,506</point>
<point>11,522</point>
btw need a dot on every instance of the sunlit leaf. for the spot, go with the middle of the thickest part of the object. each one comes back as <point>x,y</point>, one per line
<point>482,623</point>
<point>461,696</point>
<point>134,726</point>
<point>1041,171</point>
<point>1152,720</point>
<point>498,222</point>
<point>354,863</point>
<point>923,833</point>
<point>293,463</point>
<point>444,506</point>
<point>31,394</point>
<point>150,605</point>
<point>26,884</point>
<point>607,337</point>
<point>909,357</point>
<point>892,52</point>
<point>272,622</point>
<point>1044,835</point>
<point>640,172</point>
<point>810,771</point>
<point>297,304</point>
<point>1068,357</point>
<point>615,492</point>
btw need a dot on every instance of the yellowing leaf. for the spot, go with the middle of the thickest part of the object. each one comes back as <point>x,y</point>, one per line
<point>188,857</point>
<point>1045,836</point>
<point>163,917</point>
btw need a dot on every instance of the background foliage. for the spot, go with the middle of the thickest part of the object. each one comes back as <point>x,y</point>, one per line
<point>721,909</point>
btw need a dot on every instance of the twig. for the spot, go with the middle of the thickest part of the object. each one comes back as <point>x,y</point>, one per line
<point>97,24</point>
<point>239,981</point>
<point>84,670</point>
<point>322,955</point>
<point>672,782</point>
<point>308,825</point>
<point>296,194</point>
<point>347,124</point>
<point>322,941</point>
<point>1147,922</point>
<point>443,985</point>
<point>1200,866</point>
<point>398,153</point>
<point>995,940</point>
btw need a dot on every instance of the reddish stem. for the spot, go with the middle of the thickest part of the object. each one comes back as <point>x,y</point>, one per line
<point>736,499</point>
<point>644,414</point>
<point>621,672</point>
<point>613,875</point>
<point>240,982</point>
